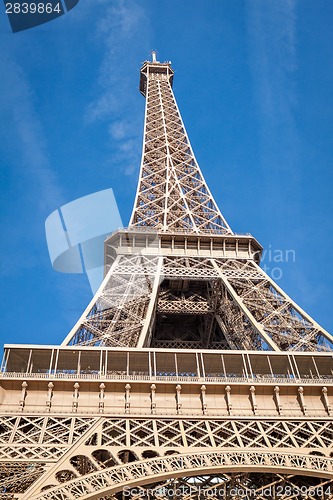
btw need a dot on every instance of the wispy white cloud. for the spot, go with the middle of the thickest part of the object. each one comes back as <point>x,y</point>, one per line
<point>123,31</point>
<point>19,106</point>
<point>273,62</point>
<point>36,190</point>
<point>272,36</point>
<point>119,129</point>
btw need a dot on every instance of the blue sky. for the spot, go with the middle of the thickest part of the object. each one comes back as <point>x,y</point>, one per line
<point>254,83</point>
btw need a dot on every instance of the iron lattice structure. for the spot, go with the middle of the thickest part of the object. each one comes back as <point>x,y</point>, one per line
<point>190,375</point>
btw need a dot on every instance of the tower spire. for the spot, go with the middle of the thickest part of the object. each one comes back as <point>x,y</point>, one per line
<point>172,193</point>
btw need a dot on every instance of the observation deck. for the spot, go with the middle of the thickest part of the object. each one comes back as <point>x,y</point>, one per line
<point>165,382</point>
<point>155,70</point>
<point>207,244</point>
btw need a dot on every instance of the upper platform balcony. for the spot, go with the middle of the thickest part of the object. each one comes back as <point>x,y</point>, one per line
<point>155,70</point>
<point>167,365</point>
<point>165,382</point>
<point>147,241</point>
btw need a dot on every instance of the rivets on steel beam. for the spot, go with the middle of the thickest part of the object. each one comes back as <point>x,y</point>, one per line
<point>301,399</point>
<point>228,399</point>
<point>50,387</point>
<point>127,398</point>
<point>253,399</point>
<point>203,389</point>
<point>325,400</point>
<point>23,394</point>
<point>75,403</point>
<point>178,403</point>
<point>277,399</point>
<point>101,398</point>
<point>152,399</point>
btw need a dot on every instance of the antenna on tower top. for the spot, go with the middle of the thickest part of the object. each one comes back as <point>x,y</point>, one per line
<point>153,55</point>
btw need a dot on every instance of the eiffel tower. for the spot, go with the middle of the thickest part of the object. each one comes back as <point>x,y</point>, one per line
<point>190,375</point>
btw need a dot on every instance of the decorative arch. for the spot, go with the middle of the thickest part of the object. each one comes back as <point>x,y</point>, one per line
<point>114,479</point>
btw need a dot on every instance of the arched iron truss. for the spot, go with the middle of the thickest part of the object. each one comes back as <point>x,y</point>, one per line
<point>139,473</point>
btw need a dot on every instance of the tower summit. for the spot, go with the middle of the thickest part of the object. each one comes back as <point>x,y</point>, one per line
<point>172,193</point>
<point>190,375</point>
